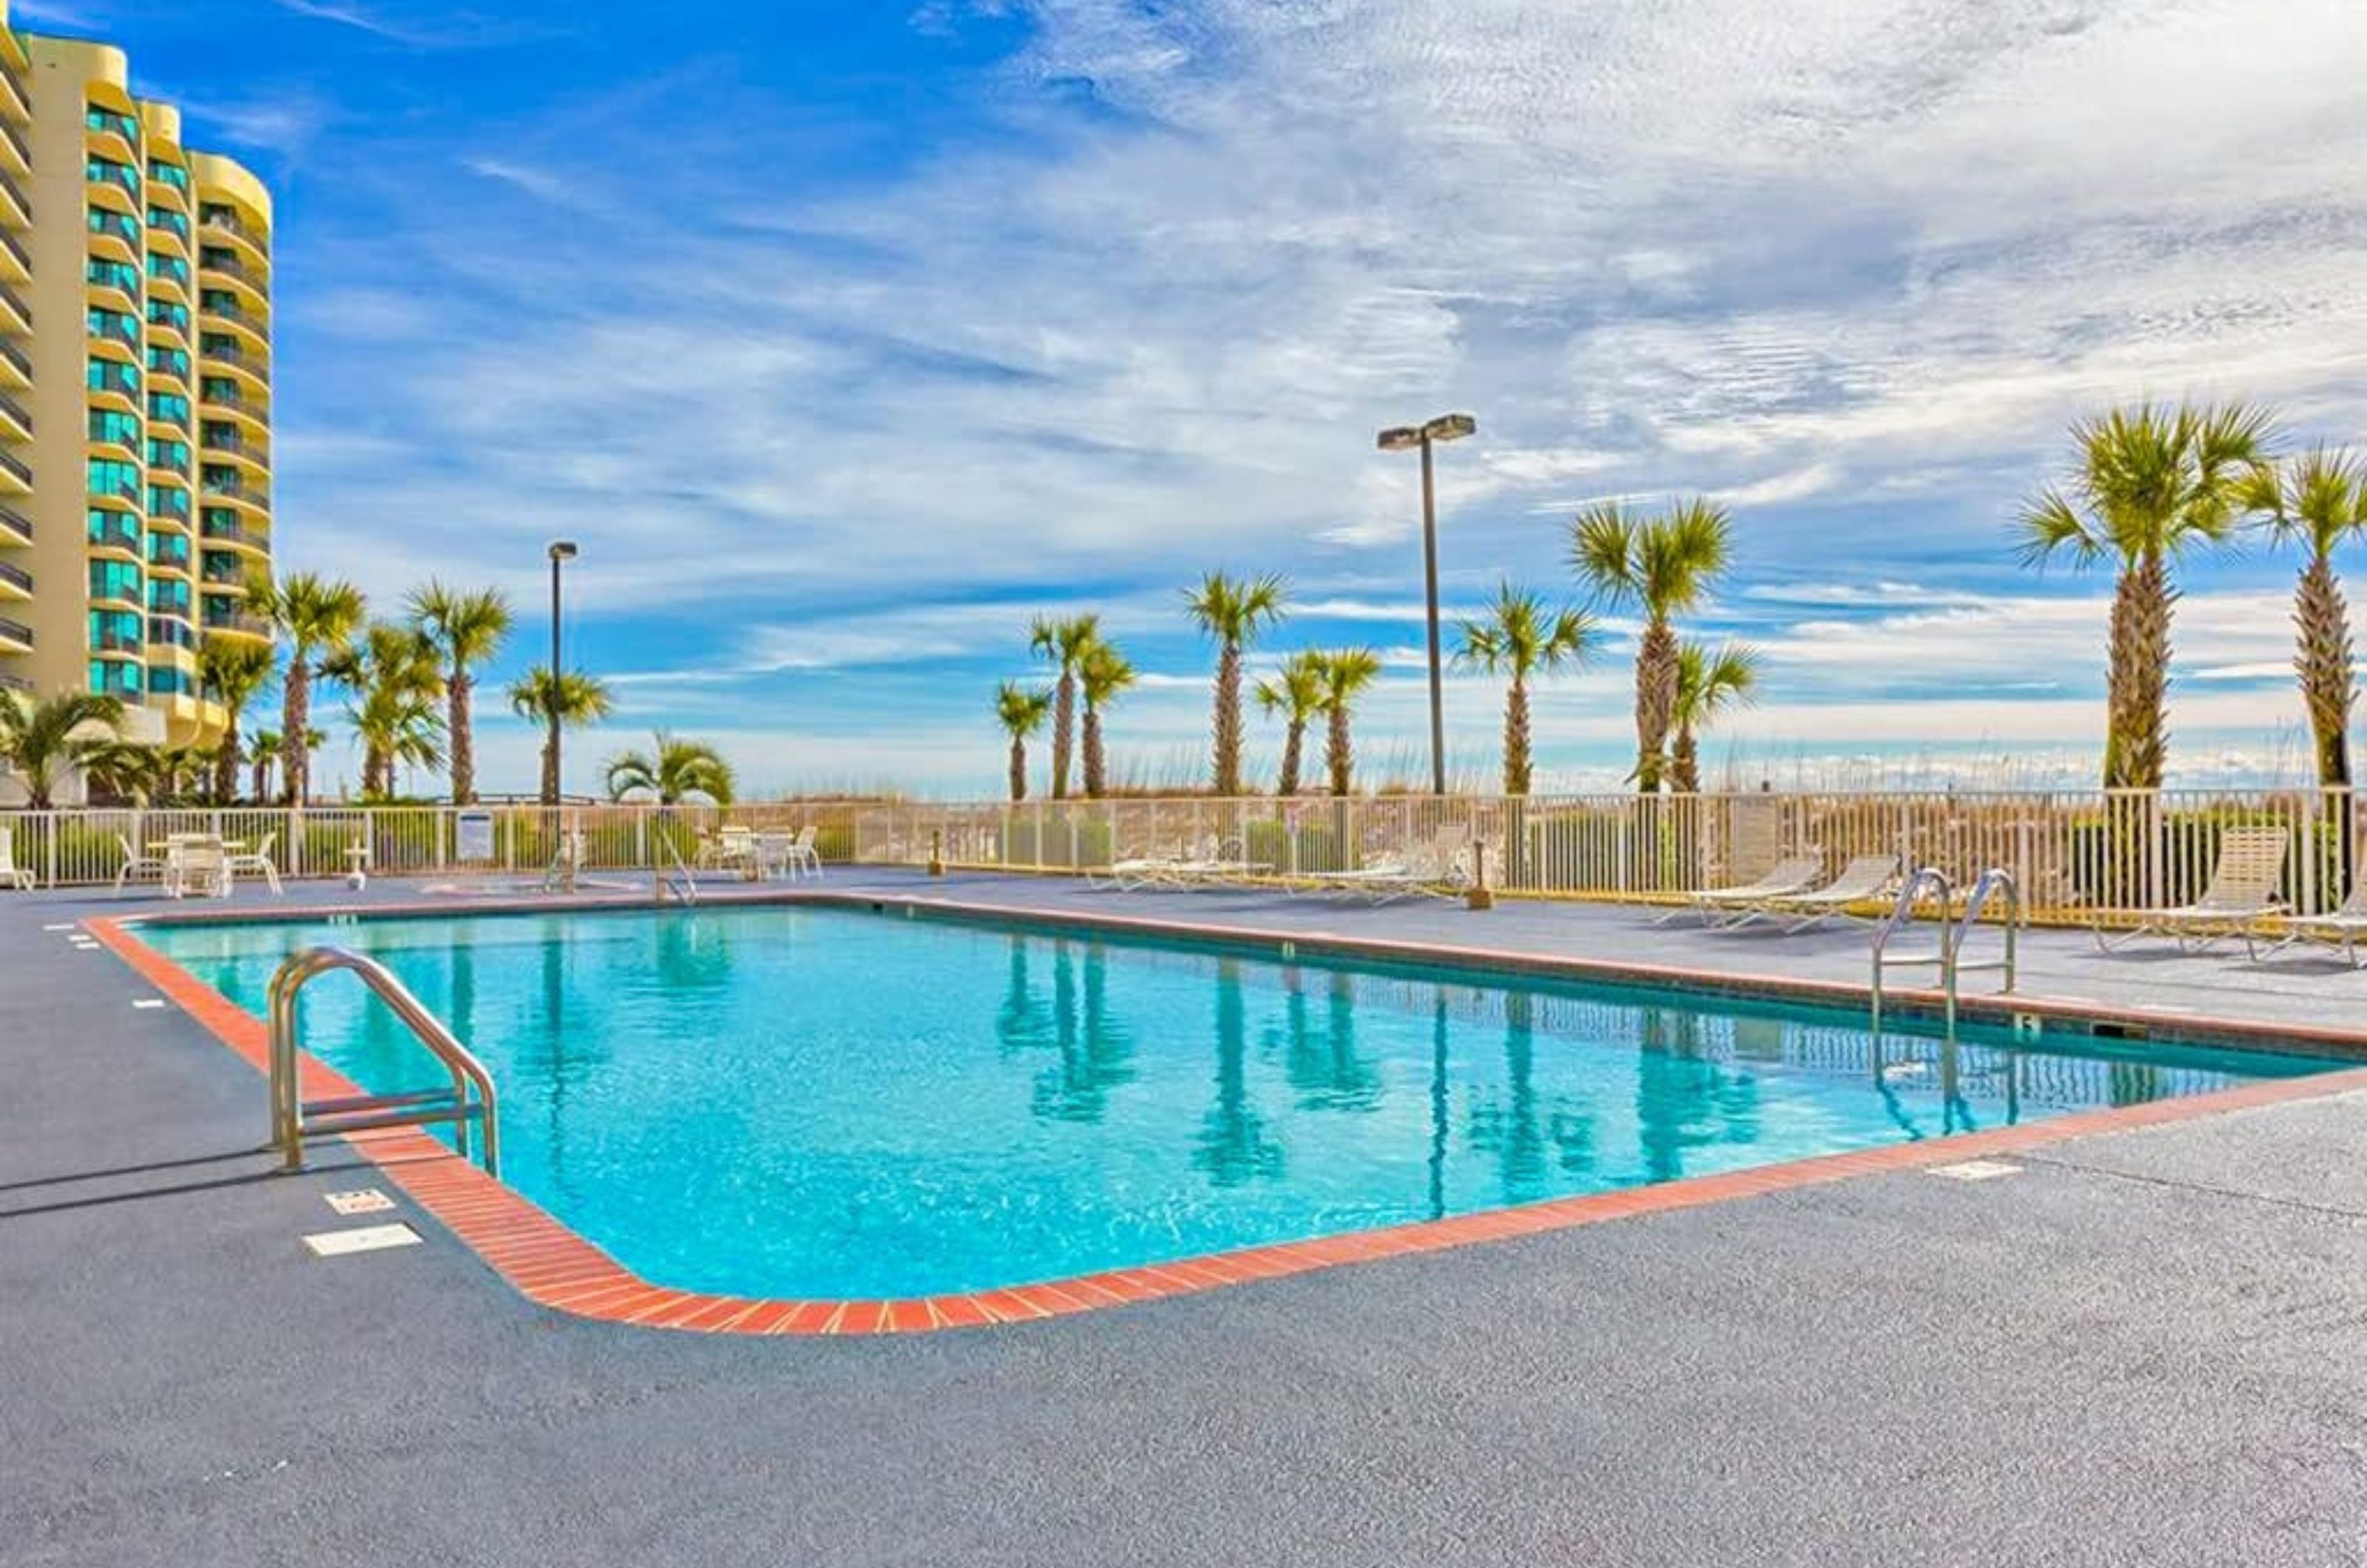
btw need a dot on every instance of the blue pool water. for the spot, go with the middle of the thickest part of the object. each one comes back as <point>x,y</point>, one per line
<point>832,1103</point>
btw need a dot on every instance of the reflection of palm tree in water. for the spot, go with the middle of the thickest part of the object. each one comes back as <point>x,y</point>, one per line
<point>1511,1131</point>
<point>1095,1053</point>
<point>1233,1147</point>
<point>1023,1021</point>
<point>1325,1068</point>
<point>1683,1101</point>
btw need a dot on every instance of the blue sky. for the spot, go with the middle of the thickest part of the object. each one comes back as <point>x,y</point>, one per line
<point>846,338</point>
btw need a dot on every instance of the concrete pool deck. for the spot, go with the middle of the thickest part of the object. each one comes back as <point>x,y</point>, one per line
<point>2143,1348</point>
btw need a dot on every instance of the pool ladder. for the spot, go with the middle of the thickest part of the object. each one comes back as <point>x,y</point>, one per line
<point>1953,932</point>
<point>679,884</point>
<point>470,1102</point>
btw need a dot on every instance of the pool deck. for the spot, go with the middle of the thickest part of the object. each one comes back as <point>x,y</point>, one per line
<point>2145,1347</point>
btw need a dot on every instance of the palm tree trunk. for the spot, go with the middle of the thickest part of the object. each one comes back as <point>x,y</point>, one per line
<point>295,723</point>
<point>1516,737</point>
<point>2324,664</point>
<point>1656,703</point>
<point>2138,681</point>
<point>226,760</point>
<point>1684,761</point>
<point>1294,745</point>
<point>550,773</point>
<point>1227,723</point>
<point>1018,769</point>
<point>1096,763</point>
<point>464,745</point>
<point>1339,755</point>
<point>1064,730</point>
<point>262,779</point>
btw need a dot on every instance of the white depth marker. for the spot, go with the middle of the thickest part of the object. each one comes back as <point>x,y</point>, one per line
<point>368,1238</point>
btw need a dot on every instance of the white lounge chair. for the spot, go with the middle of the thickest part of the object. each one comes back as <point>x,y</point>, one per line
<point>137,867</point>
<point>1223,861</point>
<point>1866,878</point>
<point>2244,891</point>
<point>1797,874</point>
<point>256,862</point>
<point>11,874</point>
<point>1434,866</point>
<point>1133,872</point>
<point>2343,927</point>
<point>804,859</point>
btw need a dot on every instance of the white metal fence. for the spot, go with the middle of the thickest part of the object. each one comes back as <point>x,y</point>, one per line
<point>82,848</point>
<point>2071,852</point>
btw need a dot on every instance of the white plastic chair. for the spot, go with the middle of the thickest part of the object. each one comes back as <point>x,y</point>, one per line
<point>11,874</point>
<point>257,863</point>
<point>197,866</point>
<point>138,867</point>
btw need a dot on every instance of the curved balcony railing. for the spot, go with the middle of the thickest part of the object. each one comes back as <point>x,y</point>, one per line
<point>15,576</point>
<point>17,467</point>
<point>15,631</point>
<point>14,526</point>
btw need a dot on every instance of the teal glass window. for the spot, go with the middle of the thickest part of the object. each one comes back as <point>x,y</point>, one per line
<point>113,275</point>
<point>116,324</point>
<point>167,597</point>
<point>122,429</point>
<point>170,221</point>
<point>171,456</point>
<point>170,361</point>
<point>166,174</point>
<point>165,681</point>
<point>110,477</point>
<point>121,225</point>
<point>107,527</point>
<point>112,679</point>
<point>168,500</point>
<point>117,580</point>
<point>97,116</point>
<point>107,170</point>
<point>171,269</point>
<point>112,376</point>
<point>168,550</point>
<point>171,408</point>
<point>164,314</point>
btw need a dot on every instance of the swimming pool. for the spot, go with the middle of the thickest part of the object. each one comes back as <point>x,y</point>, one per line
<point>832,1103</point>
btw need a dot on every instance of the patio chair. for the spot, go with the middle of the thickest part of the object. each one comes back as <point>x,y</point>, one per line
<point>733,848</point>
<point>1223,861</point>
<point>138,867</point>
<point>2243,892</point>
<point>1797,874</point>
<point>1434,866</point>
<point>2343,927</point>
<point>196,866</point>
<point>1133,872</point>
<point>1862,879</point>
<point>11,874</point>
<point>256,862</point>
<point>804,859</point>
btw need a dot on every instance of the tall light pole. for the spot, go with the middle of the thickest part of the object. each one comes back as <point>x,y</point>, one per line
<point>1398,438</point>
<point>560,550</point>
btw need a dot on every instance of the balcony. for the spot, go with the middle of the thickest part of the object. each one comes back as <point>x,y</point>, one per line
<point>15,266</point>
<point>15,424</point>
<point>240,359</point>
<point>114,639</point>
<point>16,637</point>
<point>171,631</point>
<point>214,221</point>
<point>15,684</point>
<point>120,532</point>
<point>15,155</point>
<point>224,487</point>
<point>16,107</point>
<point>236,623</point>
<point>15,528</point>
<point>16,475</point>
<point>112,326</point>
<point>15,369</point>
<point>229,264</point>
<point>222,571</point>
<point>14,208</point>
<point>16,582</point>
<point>167,552</point>
<point>15,315</point>
<point>222,530</point>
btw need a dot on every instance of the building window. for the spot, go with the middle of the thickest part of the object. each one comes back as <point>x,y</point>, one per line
<point>120,225</point>
<point>111,679</point>
<point>117,528</point>
<point>117,580</point>
<point>113,375</point>
<point>170,361</point>
<point>124,329</point>
<point>164,314</point>
<point>171,408</point>
<point>109,477</point>
<point>172,222</point>
<point>113,275</point>
<point>169,550</point>
<point>165,681</point>
<point>172,269</point>
<point>122,429</point>
<point>97,116</point>
<point>107,170</point>
<point>167,597</point>
<point>168,174</point>
<point>164,501</point>
<point>173,456</point>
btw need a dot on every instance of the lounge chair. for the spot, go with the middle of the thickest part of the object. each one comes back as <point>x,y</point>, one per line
<point>1434,866</point>
<point>804,859</point>
<point>1151,868</point>
<point>2243,892</point>
<point>1865,878</point>
<point>137,867</point>
<point>11,874</point>
<point>256,862</point>
<point>1797,874</point>
<point>1221,862</point>
<point>2344,927</point>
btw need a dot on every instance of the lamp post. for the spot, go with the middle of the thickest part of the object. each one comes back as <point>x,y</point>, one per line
<point>560,550</point>
<point>1400,439</point>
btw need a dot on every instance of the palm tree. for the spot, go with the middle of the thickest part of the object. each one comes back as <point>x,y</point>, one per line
<point>467,628</point>
<point>576,698</point>
<point>318,616</point>
<point>1021,713</point>
<point>232,673</point>
<point>2151,484</point>
<point>2317,500</point>
<point>1663,565</point>
<point>1709,682</point>
<point>259,755</point>
<point>1064,643</point>
<point>1297,691</point>
<point>42,739</point>
<point>1233,611</point>
<point>1520,638</point>
<point>1104,674</point>
<point>1347,673</point>
<point>671,774</point>
<point>396,677</point>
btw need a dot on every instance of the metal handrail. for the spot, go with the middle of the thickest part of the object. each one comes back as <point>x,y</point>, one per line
<point>1904,911</point>
<point>365,1112</point>
<point>1989,882</point>
<point>681,883</point>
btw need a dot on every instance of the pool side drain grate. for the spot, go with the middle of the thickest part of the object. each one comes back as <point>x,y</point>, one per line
<point>1976,1170</point>
<point>368,1238</point>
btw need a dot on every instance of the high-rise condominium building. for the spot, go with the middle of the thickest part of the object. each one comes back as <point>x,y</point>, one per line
<point>135,390</point>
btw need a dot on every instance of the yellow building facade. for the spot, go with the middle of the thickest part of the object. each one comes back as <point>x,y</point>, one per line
<point>135,390</point>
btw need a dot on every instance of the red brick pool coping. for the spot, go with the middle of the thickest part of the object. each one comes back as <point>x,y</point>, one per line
<point>555,1268</point>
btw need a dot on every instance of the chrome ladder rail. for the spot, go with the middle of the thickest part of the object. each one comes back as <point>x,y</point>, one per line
<point>1991,881</point>
<point>679,881</point>
<point>470,1102</point>
<point>1900,914</point>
